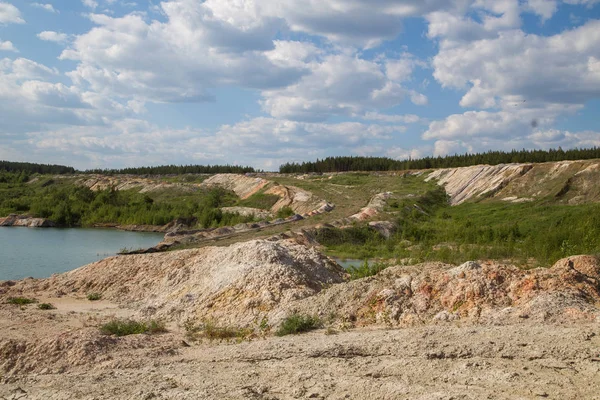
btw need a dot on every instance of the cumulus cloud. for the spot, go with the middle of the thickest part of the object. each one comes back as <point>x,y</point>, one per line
<point>519,64</point>
<point>51,36</point>
<point>45,6</point>
<point>7,46</point>
<point>326,91</point>
<point>180,59</point>
<point>10,14</point>
<point>401,119</point>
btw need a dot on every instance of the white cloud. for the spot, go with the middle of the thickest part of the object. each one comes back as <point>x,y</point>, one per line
<point>341,84</point>
<point>518,66</point>
<point>90,3</point>
<point>7,46</point>
<point>45,6</point>
<point>400,119</point>
<point>10,14</point>
<point>51,36</point>
<point>180,59</point>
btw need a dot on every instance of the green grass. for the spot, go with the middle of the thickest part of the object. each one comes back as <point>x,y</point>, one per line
<point>94,296</point>
<point>20,301</point>
<point>297,323</point>
<point>259,200</point>
<point>529,234</point>
<point>124,327</point>
<point>46,306</point>
<point>365,270</point>
<point>212,331</point>
<point>285,212</point>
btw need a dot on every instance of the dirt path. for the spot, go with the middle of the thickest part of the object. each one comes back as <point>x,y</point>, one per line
<point>440,362</point>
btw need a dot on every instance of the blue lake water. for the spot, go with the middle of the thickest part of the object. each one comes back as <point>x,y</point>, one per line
<point>41,252</point>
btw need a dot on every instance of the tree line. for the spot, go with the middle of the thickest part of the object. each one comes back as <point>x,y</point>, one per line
<point>345,164</point>
<point>175,170</point>
<point>32,168</point>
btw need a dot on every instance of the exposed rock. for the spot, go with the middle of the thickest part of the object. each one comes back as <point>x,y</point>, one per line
<point>375,206</point>
<point>474,293</point>
<point>232,285</point>
<point>247,211</point>
<point>243,186</point>
<point>572,182</point>
<point>27,221</point>
<point>386,228</point>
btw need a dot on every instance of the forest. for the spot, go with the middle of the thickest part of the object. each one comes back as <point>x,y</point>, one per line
<point>346,164</point>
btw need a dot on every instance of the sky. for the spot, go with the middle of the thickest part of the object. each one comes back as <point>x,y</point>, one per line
<point>121,83</point>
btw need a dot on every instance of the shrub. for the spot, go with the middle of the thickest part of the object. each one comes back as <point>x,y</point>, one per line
<point>212,331</point>
<point>285,212</point>
<point>46,306</point>
<point>297,323</point>
<point>94,296</point>
<point>124,327</point>
<point>20,301</point>
<point>366,270</point>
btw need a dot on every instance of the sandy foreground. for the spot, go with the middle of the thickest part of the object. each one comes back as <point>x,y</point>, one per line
<point>444,361</point>
<point>431,331</point>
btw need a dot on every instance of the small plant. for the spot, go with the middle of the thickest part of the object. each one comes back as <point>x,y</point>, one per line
<point>285,212</point>
<point>211,331</point>
<point>366,270</point>
<point>94,296</point>
<point>124,327</point>
<point>297,323</point>
<point>46,306</point>
<point>20,301</point>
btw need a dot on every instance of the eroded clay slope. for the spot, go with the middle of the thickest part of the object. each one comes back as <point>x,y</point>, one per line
<point>233,285</point>
<point>572,182</point>
<point>471,293</point>
<point>299,200</point>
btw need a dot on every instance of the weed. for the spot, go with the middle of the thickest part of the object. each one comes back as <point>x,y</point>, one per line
<point>297,323</point>
<point>285,212</point>
<point>124,327</point>
<point>366,270</point>
<point>94,296</point>
<point>46,306</point>
<point>211,331</point>
<point>20,301</point>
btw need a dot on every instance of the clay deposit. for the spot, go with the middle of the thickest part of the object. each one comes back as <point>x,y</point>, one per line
<point>510,348</point>
<point>473,331</point>
<point>570,182</point>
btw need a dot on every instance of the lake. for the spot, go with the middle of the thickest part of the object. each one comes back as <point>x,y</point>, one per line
<point>41,252</point>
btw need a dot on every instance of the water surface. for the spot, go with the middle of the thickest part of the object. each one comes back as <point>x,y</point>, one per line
<point>41,252</point>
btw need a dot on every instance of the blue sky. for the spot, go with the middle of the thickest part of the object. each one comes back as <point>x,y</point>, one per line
<point>115,83</point>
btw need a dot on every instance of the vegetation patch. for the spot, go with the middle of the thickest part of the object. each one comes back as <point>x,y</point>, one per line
<point>94,296</point>
<point>285,212</point>
<point>259,200</point>
<point>212,331</point>
<point>46,306</point>
<point>20,301</point>
<point>365,270</point>
<point>124,327</point>
<point>298,323</point>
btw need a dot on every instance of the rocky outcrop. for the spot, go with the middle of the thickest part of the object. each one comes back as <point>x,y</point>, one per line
<point>465,183</point>
<point>570,182</point>
<point>472,293</point>
<point>131,182</point>
<point>243,186</point>
<point>375,206</point>
<point>27,221</point>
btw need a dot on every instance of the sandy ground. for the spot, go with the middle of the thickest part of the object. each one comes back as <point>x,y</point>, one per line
<point>446,361</point>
